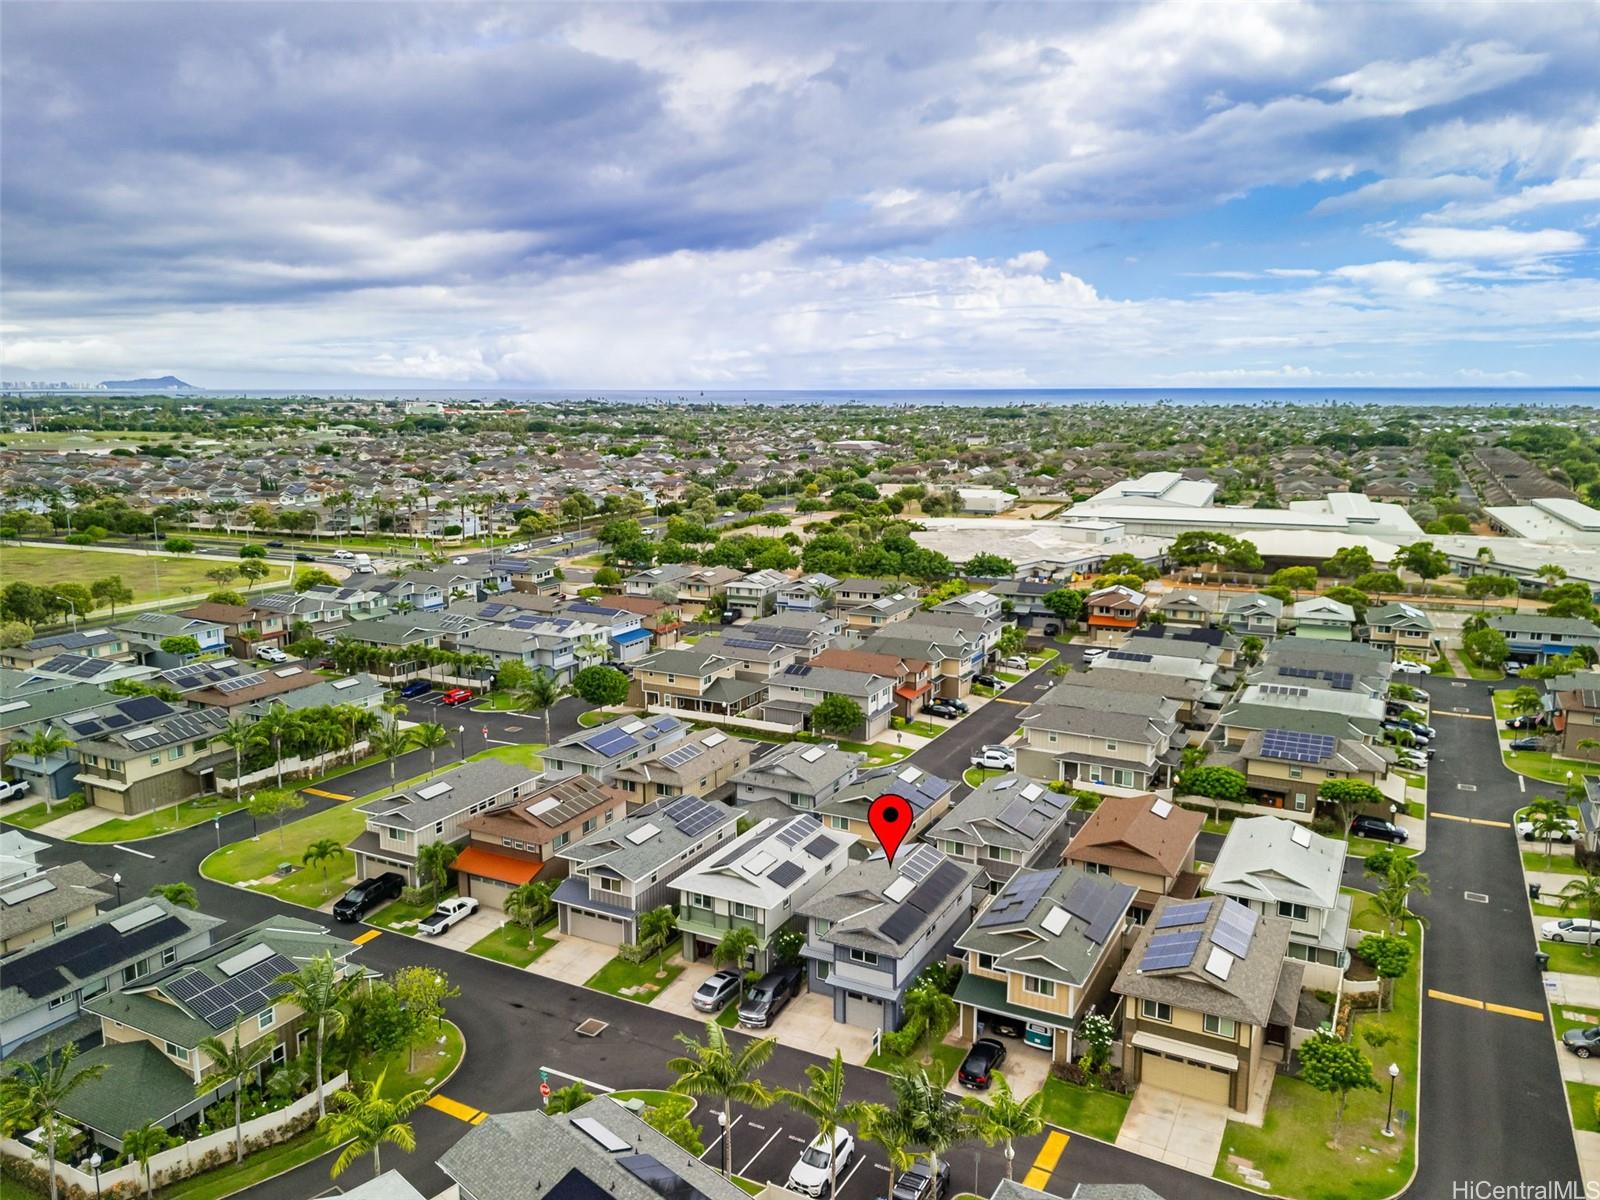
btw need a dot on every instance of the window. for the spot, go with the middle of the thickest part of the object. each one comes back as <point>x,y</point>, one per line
<point>839,822</point>
<point>1034,986</point>
<point>175,753</point>
<point>177,1052</point>
<point>1097,868</point>
<point>1110,745</point>
<point>1004,855</point>
<point>746,911</point>
<point>506,842</point>
<point>608,884</point>
<point>58,925</point>
<point>985,962</point>
<point>60,1002</point>
<point>561,839</point>
<point>1300,802</point>
<point>1222,1027</point>
<point>155,760</point>
<point>821,927</point>
<point>866,957</point>
<point>1295,912</point>
<point>954,849</point>
<point>169,956</point>
<point>399,835</point>
<point>667,789</point>
<point>267,1017</point>
<point>438,827</point>
<point>135,971</point>
<point>1154,1010</point>
<point>91,990</point>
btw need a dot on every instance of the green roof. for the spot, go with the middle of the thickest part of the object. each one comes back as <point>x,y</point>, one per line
<point>989,995</point>
<point>145,1013</point>
<point>139,1084</point>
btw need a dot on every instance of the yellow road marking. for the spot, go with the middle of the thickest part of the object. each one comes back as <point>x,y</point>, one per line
<point>1005,700</point>
<point>1036,1180</point>
<point>1471,820</point>
<point>367,936</point>
<point>454,1108</point>
<point>1525,1013</point>
<point>328,795</point>
<point>480,1118</point>
<point>1451,817</point>
<point>1466,1000</point>
<point>1492,824</point>
<point>1054,1146</point>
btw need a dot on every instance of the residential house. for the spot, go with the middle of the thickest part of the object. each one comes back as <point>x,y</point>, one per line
<point>800,775</point>
<point>1253,615</point>
<point>756,595</point>
<point>1041,954</point>
<point>705,585</point>
<point>1534,639</point>
<point>928,795</point>
<point>1327,666</point>
<point>872,928</point>
<point>226,684</point>
<point>1185,609</point>
<point>885,611</point>
<point>1285,768</point>
<point>1113,611</point>
<point>32,703</point>
<point>510,846</point>
<point>954,656</point>
<point>913,677</point>
<point>809,593</point>
<point>19,856</point>
<point>100,642</point>
<point>1299,708</point>
<point>142,753</point>
<point>757,883</point>
<point>1574,703</point>
<point>147,630</point>
<point>627,867</point>
<point>81,668</point>
<point>694,681</point>
<point>360,690</point>
<point>48,903</point>
<point>45,984</point>
<point>756,658</point>
<point>246,628</point>
<point>702,764</point>
<point>981,631</point>
<point>1282,869</point>
<point>1026,597</point>
<point>1325,619</point>
<point>1402,629</point>
<point>659,581</point>
<point>850,593</point>
<point>985,605</point>
<point>400,824</point>
<point>658,617</point>
<point>626,637</point>
<point>1210,999</point>
<point>1004,824</point>
<point>800,689</point>
<point>152,1029</point>
<point>600,751</point>
<point>1143,841</point>
<point>813,632</point>
<point>1111,742</point>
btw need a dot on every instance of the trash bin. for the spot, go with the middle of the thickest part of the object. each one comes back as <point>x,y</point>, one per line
<point>1542,959</point>
<point>1533,891</point>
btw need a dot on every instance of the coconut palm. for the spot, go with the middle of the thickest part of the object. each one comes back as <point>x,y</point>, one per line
<point>735,948</point>
<point>364,1119</point>
<point>391,742</point>
<point>429,736</point>
<point>322,994</point>
<point>144,1143</point>
<point>31,1098</point>
<point>234,1064</point>
<point>530,903</point>
<point>1584,891</point>
<point>716,1069</point>
<point>181,894</point>
<point>891,1129</point>
<point>1549,818</point>
<point>936,1126</point>
<point>656,926</point>
<point>1393,898</point>
<point>542,691</point>
<point>278,725</point>
<point>321,852</point>
<point>823,1103</point>
<point>40,745</point>
<point>433,865</point>
<point>1002,1118</point>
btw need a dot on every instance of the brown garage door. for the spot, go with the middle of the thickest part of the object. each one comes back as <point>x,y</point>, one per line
<point>1187,1078</point>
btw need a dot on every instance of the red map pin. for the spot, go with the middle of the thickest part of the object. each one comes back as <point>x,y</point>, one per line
<point>890,818</point>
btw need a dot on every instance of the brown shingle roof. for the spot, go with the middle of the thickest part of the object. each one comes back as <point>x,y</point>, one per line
<point>868,663</point>
<point>1126,832</point>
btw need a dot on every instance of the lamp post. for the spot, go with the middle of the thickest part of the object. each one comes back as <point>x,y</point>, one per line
<point>94,1162</point>
<point>116,881</point>
<point>216,823</point>
<point>1388,1121</point>
<point>461,732</point>
<point>255,826</point>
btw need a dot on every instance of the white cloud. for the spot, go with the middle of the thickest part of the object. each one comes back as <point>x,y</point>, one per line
<point>1386,192</point>
<point>1498,243</point>
<point>1581,189</point>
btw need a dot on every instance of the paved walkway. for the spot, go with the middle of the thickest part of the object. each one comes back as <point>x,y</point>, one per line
<point>1174,1129</point>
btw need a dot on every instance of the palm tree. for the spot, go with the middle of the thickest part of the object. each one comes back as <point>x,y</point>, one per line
<point>1003,1118</point>
<point>41,744</point>
<point>564,1100</point>
<point>715,1069</point>
<point>391,742</point>
<point>181,894</point>
<point>144,1143</point>
<point>1548,817</point>
<point>1585,891</point>
<point>31,1098</point>
<point>433,865</point>
<point>934,1010</point>
<point>320,852</point>
<point>891,1129</point>
<point>542,691</point>
<point>735,948</point>
<point>1393,898</point>
<point>935,1125</point>
<point>232,1064</point>
<point>275,726</point>
<point>824,1103</point>
<point>429,736</point>
<point>529,904</point>
<point>656,926</point>
<point>321,994</point>
<point>365,1120</point>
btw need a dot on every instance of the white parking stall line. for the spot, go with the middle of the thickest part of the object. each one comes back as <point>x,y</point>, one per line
<point>745,1170</point>
<point>796,1138</point>
<point>131,850</point>
<point>716,1142</point>
<point>1522,783</point>
<point>849,1175</point>
<point>763,1128</point>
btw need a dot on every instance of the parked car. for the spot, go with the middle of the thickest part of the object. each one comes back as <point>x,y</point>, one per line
<point>1512,668</point>
<point>1051,630</point>
<point>1583,1041</point>
<point>517,548</point>
<point>1016,662</point>
<point>977,1069</point>
<point>450,912</point>
<point>417,687</point>
<point>557,540</point>
<point>996,758</point>
<point>959,705</point>
<point>713,994</point>
<point>1412,761</point>
<point>343,555</point>
<point>823,1160</point>
<point>368,894</point>
<point>1571,929</point>
<point>460,560</point>
<point>304,557</point>
<point>1527,743</point>
<point>272,654</point>
<point>1570,831</point>
<point>918,1182</point>
<point>625,668</point>
<point>1419,729</point>
<point>989,681</point>
<point>1378,829</point>
<point>456,696</point>
<point>1531,721</point>
<point>1406,667</point>
<point>13,789</point>
<point>941,708</point>
<point>766,997</point>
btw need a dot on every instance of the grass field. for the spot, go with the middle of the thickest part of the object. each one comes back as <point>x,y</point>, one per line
<point>181,574</point>
<point>618,975</point>
<point>67,438</point>
<point>514,945</point>
<point>940,1062</point>
<point>162,820</point>
<point>1084,1110</point>
<point>1584,1115</point>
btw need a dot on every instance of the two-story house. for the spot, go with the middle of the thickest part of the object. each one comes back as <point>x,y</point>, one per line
<point>45,984</point>
<point>1285,768</point>
<point>1282,869</point>
<point>1209,1000</point>
<point>143,753</point>
<point>954,656</point>
<point>848,593</point>
<point>600,751</point>
<point>986,605</point>
<point>1326,666</point>
<point>661,582</point>
<point>1143,841</point>
<point>1574,703</point>
<point>704,585</point>
<point>47,903</point>
<point>874,615</point>
<point>927,795</point>
<point>1320,617</point>
<point>99,642</point>
<point>809,593</point>
<point>801,688</point>
<point>1004,824</point>
<point>627,867</point>
<point>626,636</point>
<point>1299,708</point>
<point>754,657</point>
<point>756,595</point>
<point>1253,615</point>
<point>871,929</point>
<point>508,847</point>
<point>1402,629</point>
<point>693,681</point>
<point>1186,609</point>
<point>1123,742</point>
<point>246,628</point>
<point>152,1030</point>
<point>1113,611</point>
<point>757,883</point>
<point>1535,639</point>
<point>913,677</point>
<point>1041,954</point>
<point>147,630</point>
<point>802,776</point>
<point>400,824</point>
<point>702,764</point>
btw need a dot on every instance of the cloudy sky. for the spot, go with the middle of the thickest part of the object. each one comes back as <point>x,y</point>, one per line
<point>846,195</point>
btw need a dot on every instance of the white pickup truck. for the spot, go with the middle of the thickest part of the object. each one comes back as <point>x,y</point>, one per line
<point>449,912</point>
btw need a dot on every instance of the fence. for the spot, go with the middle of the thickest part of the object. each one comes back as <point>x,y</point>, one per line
<point>292,765</point>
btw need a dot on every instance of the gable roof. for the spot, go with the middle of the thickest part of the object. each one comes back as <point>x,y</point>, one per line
<point>449,792</point>
<point>1009,811</point>
<point>1268,859</point>
<point>888,909</point>
<point>769,863</point>
<point>644,840</point>
<point>1021,928</point>
<point>1138,833</point>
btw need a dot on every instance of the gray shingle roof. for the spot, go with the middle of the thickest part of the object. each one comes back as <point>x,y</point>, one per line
<point>822,767</point>
<point>864,917</point>
<point>73,886</point>
<point>1009,811</point>
<point>1271,859</point>
<point>1011,926</point>
<point>610,846</point>
<point>450,792</point>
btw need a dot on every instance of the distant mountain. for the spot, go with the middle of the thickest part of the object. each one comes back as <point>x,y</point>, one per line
<point>167,383</point>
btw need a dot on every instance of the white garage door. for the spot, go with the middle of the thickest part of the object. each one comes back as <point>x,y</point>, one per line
<point>1190,1079</point>
<point>490,893</point>
<point>609,931</point>
<point>864,1012</point>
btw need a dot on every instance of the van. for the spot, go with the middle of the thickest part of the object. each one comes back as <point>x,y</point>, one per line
<point>765,998</point>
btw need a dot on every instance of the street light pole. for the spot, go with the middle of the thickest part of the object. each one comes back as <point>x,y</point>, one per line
<point>216,823</point>
<point>116,881</point>
<point>1388,1121</point>
<point>461,731</point>
<point>94,1161</point>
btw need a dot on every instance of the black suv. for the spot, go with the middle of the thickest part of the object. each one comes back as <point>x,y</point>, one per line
<point>765,998</point>
<point>941,708</point>
<point>368,894</point>
<point>1378,830</point>
<point>917,1182</point>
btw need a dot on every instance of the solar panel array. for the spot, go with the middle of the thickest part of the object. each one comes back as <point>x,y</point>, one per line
<point>920,862</point>
<point>1168,950</point>
<point>1191,913</point>
<point>80,956</point>
<point>821,846</point>
<point>611,742</point>
<point>785,873</point>
<point>683,754</point>
<point>798,829</point>
<point>77,666</point>
<point>1130,656</point>
<point>219,1003</point>
<point>208,674</point>
<point>1340,681</point>
<point>1289,746</point>
<point>1099,907</point>
<point>1235,926</point>
<point>121,716</point>
<point>1017,898</point>
<point>799,671</point>
<point>931,893</point>
<point>693,816</point>
<point>243,681</point>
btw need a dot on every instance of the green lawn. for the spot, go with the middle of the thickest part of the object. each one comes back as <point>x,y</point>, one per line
<point>1482,674</point>
<point>976,775</point>
<point>180,574</point>
<point>241,862</point>
<point>940,1062</point>
<point>920,728</point>
<point>514,944</point>
<point>1533,860</point>
<point>1570,959</point>
<point>1291,1148</point>
<point>429,1069</point>
<point>1563,1022</point>
<point>401,917</point>
<point>618,975</point>
<point>262,1164</point>
<point>36,815</point>
<point>1084,1110</point>
<point>162,820</point>
<point>1007,676</point>
<point>749,1185</point>
<point>1582,1096</point>
<point>1035,661</point>
<point>1545,766</point>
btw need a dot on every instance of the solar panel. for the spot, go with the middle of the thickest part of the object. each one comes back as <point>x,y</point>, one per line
<point>681,755</point>
<point>1297,672</point>
<point>1191,913</point>
<point>920,863</point>
<point>1290,746</point>
<point>1342,681</point>
<point>1169,950</point>
<point>821,847</point>
<point>1022,817</point>
<point>936,888</point>
<point>28,890</point>
<point>611,743</point>
<point>1129,656</point>
<point>143,708</point>
<point>901,923</point>
<point>798,828</point>
<point>1235,925</point>
<point>186,987</point>
<point>785,873</point>
<point>1098,906</point>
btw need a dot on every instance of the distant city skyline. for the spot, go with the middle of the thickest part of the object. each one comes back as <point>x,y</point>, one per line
<point>735,197</point>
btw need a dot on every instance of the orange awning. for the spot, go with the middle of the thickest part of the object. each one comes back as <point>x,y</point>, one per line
<point>474,860</point>
<point>908,693</point>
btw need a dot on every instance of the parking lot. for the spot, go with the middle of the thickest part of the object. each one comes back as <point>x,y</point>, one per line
<point>767,1143</point>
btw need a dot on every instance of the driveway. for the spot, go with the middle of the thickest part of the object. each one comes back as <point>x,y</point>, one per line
<point>572,960</point>
<point>465,934</point>
<point>1026,1067</point>
<point>808,1024</point>
<point>675,998</point>
<point>1174,1129</point>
